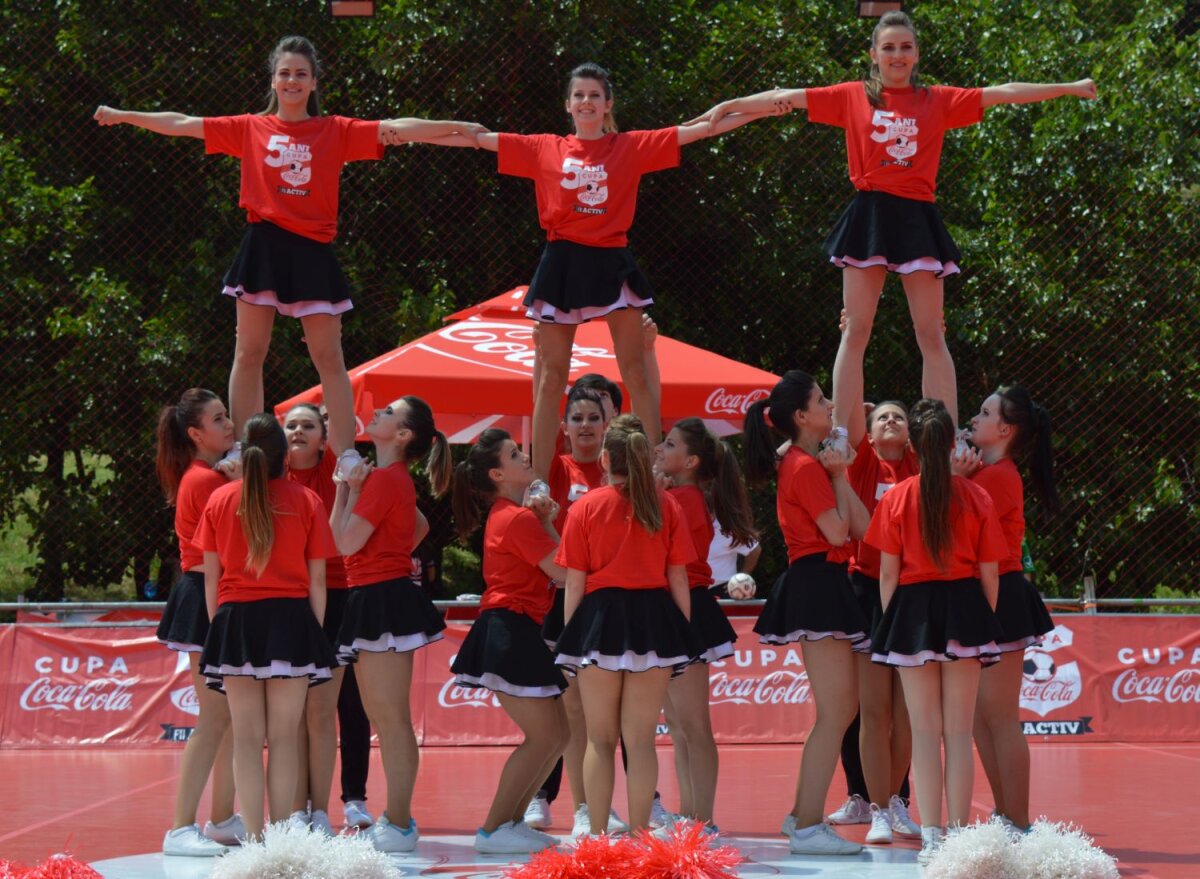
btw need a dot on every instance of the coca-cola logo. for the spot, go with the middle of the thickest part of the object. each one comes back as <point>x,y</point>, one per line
<point>101,694</point>
<point>185,700</point>
<point>453,695</point>
<point>721,402</point>
<point>773,688</point>
<point>1182,686</point>
<point>511,343</point>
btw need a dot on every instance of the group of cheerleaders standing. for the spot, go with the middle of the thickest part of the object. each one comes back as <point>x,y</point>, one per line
<point>903,548</point>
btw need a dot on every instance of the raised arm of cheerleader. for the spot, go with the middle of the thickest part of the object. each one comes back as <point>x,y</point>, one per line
<point>677,582</point>
<point>488,140</point>
<point>409,130</point>
<point>212,576</point>
<point>576,582</point>
<point>989,577</point>
<point>835,523</point>
<point>170,124</point>
<point>775,102</point>
<point>350,532</point>
<point>700,128</point>
<point>1032,92</point>
<point>889,577</point>
<point>316,588</point>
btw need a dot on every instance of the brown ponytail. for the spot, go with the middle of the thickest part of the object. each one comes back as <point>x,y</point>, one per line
<point>932,433</point>
<point>473,486</point>
<point>428,441</point>
<point>720,478</point>
<point>175,449</point>
<point>630,455</point>
<point>264,450</point>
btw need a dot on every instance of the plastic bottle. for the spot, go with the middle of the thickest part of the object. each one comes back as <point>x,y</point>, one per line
<point>839,440</point>
<point>537,488</point>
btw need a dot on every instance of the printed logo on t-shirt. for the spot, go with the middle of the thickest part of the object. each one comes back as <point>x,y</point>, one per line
<point>590,182</point>
<point>577,491</point>
<point>900,132</point>
<point>882,488</point>
<point>294,161</point>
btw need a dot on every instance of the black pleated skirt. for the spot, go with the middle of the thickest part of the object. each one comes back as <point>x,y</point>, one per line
<point>184,623</point>
<point>1022,614</point>
<point>268,638</point>
<point>812,600</point>
<point>575,283</point>
<point>904,234</point>
<point>505,653</point>
<point>295,275</point>
<point>394,615</point>
<point>711,625</point>
<point>937,621</point>
<point>628,630</point>
<point>866,593</point>
<point>552,625</point>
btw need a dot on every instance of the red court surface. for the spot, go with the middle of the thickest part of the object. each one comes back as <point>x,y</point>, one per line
<point>104,803</point>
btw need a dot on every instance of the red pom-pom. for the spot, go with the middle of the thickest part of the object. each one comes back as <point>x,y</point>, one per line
<point>686,854</point>
<point>603,858</point>
<point>62,867</point>
<point>12,870</point>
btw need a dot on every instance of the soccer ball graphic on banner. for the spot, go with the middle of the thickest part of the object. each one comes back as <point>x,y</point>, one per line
<point>1039,666</point>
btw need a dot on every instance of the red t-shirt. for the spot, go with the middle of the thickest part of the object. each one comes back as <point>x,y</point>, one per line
<point>290,170</point>
<point>896,149</point>
<point>872,477</point>
<point>195,488</point>
<point>975,534</point>
<point>514,543</point>
<point>700,526</point>
<point>319,480</point>
<point>587,189</point>
<point>1002,482</point>
<point>301,533</point>
<point>603,539</point>
<point>389,502</point>
<point>804,493</point>
<point>569,481</point>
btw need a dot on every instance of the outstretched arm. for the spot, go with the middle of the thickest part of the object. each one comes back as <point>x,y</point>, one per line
<point>776,102</point>
<point>700,128</point>
<point>170,124</point>
<point>397,131</point>
<point>1032,92</point>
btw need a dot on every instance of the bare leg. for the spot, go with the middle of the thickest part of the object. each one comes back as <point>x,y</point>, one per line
<point>212,727</point>
<point>384,681</point>
<point>960,687</point>
<point>254,323</point>
<point>860,297</point>
<point>320,722</point>
<point>223,788</point>
<point>642,696</point>
<point>688,695</point>
<point>544,725</point>
<point>577,745</point>
<point>285,709</point>
<point>832,676</point>
<point>601,694</point>
<point>996,714</point>
<point>248,713</point>
<point>323,333</point>
<point>300,798</point>
<point>925,301</point>
<point>901,737</point>
<point>679,744</point>
<point>629,346</point>
<point>554,365</point>
<point>875,728</point>
<point>923,695</point>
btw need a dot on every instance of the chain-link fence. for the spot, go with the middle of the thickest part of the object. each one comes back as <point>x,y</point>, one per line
<point>1078,224</point>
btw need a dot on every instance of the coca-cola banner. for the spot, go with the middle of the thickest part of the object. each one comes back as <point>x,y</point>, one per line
<point>1097,678</point>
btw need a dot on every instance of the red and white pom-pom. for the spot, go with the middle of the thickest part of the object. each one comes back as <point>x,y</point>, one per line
<point>61,867</point>
<point>980,851</point>
<point>12,870</point>
<point>1062,851</point>
<point>686,854</point>
<point>602,858</point>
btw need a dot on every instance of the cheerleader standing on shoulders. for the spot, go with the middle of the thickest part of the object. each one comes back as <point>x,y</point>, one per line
<point>265,542</point>
<point>388,617</point>
<point>939,543</point>
<point>504,650</point>
<point>894,130</point>
<point>812,603</point>
<point>1010,426</point>
<point>625,549</point>
<point>193,435</point>
<point>707,481</point>
<point>310,464</point>
<point>291,160</point>
<point>878,746</point>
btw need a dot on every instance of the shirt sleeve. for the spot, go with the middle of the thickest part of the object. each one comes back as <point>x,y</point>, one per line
<point>884,531</point>
<point>990,546</point>
<point>206,532</point>
<point>572,549</point>
<point>812,490</point>
<point>527,539</point>
<point>828,105</point>
<point>657,150</point>
<point>681,548</point>
<point>376,500</point>
<point>517,154</point>
<point>225,135</point>
<point>360,140</point>
<point>992,480</point>
<point>961,107</point>
<point>321,544</point>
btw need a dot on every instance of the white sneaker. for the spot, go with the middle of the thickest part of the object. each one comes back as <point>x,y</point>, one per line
<point>902,824</point>
<point>356,814</point>
<point>319,823</point>
<point>506,840</point>
<point>788,827</point>
<point>231,831</point>
<point>659,816</point>
<point>583,823</point>
<point>534,833</point>
<point>881,826</point>
<point>387,837</point>
<point>855,810</point>
<point>190,842</point>
<point>298,820</point>
<point>931,841</point>
<point>821,839</point>
<point>346,463</point>
<point>537,813</point>
<point>615,824</point>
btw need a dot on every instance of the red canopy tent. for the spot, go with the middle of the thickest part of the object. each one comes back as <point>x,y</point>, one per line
<point>477,371</point>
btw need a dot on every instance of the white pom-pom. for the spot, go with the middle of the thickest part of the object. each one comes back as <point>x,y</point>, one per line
<point>291,852</point>
<point>980,851</point>
<point>1062,851</point>
<point>741,587</point>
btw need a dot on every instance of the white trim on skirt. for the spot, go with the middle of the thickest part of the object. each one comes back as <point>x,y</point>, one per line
<point>716,654</point>
<point>1021,644</point>
<point>497,684</point>
<point>182,646</point>
<point>627,661</point>
<point>279,668</point>
<point>807,635</point>
<point>985,653</point>
<point>546,313</point>
<point>922,264</point>
<point>303,308</point>
<point>385,643</point>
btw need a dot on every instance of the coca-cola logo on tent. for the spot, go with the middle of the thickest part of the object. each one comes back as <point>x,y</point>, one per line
<point>721,402</point>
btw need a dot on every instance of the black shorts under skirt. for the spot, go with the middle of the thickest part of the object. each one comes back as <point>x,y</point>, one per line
<point>711,625</point>
<point>268,638</point>
<point>575,283</point>
<point>937,621</point>
<point>552,625</point>
<point>394,615</point>
<point>1022,614</point>
<point>904,234</point>
<point>628,630</point>
<point>811,601</point>
<point>296,276</point>
<point>184,623</point>
<point>505,653</point>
